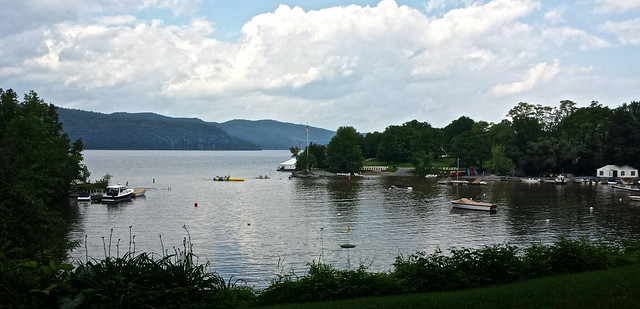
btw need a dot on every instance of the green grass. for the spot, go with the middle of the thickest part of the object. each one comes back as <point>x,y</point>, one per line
<point>611,288</point>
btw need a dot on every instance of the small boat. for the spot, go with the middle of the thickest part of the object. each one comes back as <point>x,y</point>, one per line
<point>218,178</point>
<point>117,193</point>
<point>560,180</point>
<point>84,197</point>
<point>401,187</point>
<point>612,181</point>
<point>634,198</point>
<point>469,204</point>
<point>478,181</point>
<point>626,188</point>
<point>531,180</point>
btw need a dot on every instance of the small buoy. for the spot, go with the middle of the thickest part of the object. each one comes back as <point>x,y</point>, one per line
<point>547,220</point>
<point>590,208</point>
<point>195,204</point>
<point>248,223</point>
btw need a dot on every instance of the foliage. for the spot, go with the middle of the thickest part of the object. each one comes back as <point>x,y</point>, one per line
<point>496,264</point>
<point>344,151</point>
<point>176,281</point>
<point>38,165</point>
<point>400,143</point>
<point>502,165</point>
<point>313,156</point>
<point>324,282</point>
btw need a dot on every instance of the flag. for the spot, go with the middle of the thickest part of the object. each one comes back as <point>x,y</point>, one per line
<point>307,129</point>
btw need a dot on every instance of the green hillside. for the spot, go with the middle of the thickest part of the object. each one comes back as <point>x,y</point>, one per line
<point>149,131</point>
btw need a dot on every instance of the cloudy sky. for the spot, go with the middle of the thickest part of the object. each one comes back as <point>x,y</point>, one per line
<point>328,63</point>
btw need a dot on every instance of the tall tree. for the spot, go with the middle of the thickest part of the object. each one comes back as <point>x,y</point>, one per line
<point>38,164</point>
<point>344,151</point>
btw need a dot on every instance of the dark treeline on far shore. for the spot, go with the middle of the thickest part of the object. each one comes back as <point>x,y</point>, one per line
<point>534,140</point>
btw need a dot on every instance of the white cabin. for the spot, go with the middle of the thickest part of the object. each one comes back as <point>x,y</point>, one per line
<point>615,171</point>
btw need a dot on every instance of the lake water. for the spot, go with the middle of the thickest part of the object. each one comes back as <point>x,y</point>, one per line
<point>258,228</point>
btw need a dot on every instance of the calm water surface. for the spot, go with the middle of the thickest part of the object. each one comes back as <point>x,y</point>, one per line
<point>255,229</point>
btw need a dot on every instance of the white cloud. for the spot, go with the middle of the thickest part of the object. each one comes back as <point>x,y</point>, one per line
<point>627,32</point>
<point>609,6</point>
<point>541,73</point>
<point>368,67</point>
<point>555,15</point>
<point>563,36</point>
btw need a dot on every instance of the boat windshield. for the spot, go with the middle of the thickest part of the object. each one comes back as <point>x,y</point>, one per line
<point>113,191</point>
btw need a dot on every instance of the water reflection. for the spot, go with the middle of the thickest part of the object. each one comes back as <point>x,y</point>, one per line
<point>247,229</point>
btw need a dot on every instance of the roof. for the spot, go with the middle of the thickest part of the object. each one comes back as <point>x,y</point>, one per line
<point>289,162</point>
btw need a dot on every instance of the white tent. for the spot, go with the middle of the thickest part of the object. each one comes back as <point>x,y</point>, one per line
<point>624,171</point>
<point>289,165</point>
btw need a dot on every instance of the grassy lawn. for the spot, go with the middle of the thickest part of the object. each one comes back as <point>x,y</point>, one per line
<point>612,288</point>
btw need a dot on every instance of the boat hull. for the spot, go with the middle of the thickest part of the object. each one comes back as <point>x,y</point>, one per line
<point>468,204</point>
<point>626,188</point>
<point>115,199</point>
<point>227,179</point>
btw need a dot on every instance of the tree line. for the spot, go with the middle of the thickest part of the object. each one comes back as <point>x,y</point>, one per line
<point>533,140</point>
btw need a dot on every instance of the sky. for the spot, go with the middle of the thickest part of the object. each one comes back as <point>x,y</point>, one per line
<point>325,63</point>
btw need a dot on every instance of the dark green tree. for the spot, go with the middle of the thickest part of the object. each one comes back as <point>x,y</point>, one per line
<point>623,135</point>
<point>344,151</point>
<point>38,165</point>
<point>501,164</point>
<point>370,144</point>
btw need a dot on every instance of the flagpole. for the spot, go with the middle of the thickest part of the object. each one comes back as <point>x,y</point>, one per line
<point>307,129</point>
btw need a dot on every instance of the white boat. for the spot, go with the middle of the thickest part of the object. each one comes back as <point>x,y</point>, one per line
<point>560,180</point>
<point>469,204</point>
<point>117,193</point>
<point>401,187</point>
<point>84,197</point>
<point>626,188</point>
<point>634,198</point>
<point>531,180</point>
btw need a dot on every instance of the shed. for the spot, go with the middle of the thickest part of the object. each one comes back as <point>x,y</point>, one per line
<point>624,171</point>
<point>289,165</point>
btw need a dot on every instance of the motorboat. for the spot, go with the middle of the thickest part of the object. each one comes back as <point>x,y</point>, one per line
<point>84,197</point>
<point>626,188</point>
<point>117,193</point>
<point>634,198</point>
<point>560,180</point>
<point>469,204</point>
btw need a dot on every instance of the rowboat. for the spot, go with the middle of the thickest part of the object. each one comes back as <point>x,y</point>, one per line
<point>469,204</point>
<point>218,178</point>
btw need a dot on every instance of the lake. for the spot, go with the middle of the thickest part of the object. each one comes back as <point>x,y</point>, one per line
<point>256,229</point>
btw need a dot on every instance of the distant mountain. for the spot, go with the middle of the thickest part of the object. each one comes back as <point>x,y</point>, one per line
<point>149,131</point>
<point>271,134</point>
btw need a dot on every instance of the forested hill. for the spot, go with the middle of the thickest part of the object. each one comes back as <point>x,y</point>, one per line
<point>270,134</point>
<point>149,131</point>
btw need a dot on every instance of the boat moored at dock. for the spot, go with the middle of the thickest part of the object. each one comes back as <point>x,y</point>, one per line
<point>117,193</point>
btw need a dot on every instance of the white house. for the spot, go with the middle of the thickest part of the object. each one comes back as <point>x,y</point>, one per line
<point>624,171</point>
<point>289,165</point>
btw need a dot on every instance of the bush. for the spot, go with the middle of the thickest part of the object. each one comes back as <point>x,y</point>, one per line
<point>324,282</point>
